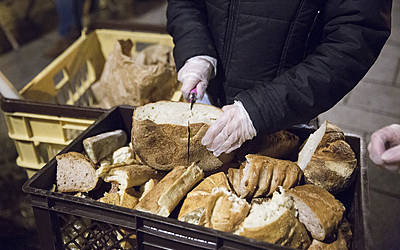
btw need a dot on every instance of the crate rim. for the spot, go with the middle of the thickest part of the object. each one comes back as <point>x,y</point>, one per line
<point>9,105</point>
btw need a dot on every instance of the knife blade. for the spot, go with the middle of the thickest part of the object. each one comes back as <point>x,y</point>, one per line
<point>192,96</point>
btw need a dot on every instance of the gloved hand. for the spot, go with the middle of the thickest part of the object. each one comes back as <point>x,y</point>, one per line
<point>230,130</point>
<point>384,148</point>
<point>196,72</point>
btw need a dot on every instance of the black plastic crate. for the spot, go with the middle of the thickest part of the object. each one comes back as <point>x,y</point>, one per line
<point>68,222</point>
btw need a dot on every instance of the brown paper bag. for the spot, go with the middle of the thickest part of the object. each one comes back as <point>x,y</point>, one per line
<point>145,77</point>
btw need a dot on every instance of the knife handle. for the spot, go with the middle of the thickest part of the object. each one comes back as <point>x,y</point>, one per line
<point>193,94</point>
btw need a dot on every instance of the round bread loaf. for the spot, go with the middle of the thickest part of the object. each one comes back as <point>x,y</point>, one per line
<point>327,159</point>
<point>160,135</point>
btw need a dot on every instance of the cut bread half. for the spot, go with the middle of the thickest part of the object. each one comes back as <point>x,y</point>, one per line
<point>160,135</point>
<point>75,173</point>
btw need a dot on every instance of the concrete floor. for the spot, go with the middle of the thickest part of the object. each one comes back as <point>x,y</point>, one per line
<point>373,104</point>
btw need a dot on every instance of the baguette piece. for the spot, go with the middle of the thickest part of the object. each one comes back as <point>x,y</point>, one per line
<point>327,160</point>
<point>75,173</point>
<point>166,195</point>
<point>99,146</point>
<point>224,210</point>
<point>318,210</point>
<point>160,135</point>
<point>194,206</point>
<point>275,221</point>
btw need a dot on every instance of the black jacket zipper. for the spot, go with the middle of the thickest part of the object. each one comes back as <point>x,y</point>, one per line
<point>229,35</point>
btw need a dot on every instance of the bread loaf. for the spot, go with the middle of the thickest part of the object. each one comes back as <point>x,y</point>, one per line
<point>281,145</point>
<point>160,135</point>
<point>195,203</point>
<point>327,159</point>
<point>260,176</point>
<point>99,146</point>
<point>166,195</point>
<point>275,221</point>
<point>75,173</point>
<point>318,210</point>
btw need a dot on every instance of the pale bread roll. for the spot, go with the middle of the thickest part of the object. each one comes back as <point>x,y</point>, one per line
<point>166,195</point>
<point>318,210</point>
<point>327,160</point>
<point>75,173</point>
<point>195,203</point>
<point>160,135</point>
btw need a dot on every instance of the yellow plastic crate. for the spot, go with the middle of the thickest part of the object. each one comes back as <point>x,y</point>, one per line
<point>66,81</point>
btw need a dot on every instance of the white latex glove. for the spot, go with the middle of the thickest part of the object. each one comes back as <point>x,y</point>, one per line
<point>196,73</point>
<point>230,130</point>
<point>384,148</point>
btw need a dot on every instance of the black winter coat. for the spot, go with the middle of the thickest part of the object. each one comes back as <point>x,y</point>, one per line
<point>286,60</point>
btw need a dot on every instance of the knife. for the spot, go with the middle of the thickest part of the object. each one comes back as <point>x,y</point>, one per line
<point>192,99</point>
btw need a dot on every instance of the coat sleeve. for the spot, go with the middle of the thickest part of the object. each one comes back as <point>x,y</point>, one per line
<point>187,24</point>
<point>354,33</point>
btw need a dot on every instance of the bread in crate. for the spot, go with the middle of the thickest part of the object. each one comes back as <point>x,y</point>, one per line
<point>239,202</point>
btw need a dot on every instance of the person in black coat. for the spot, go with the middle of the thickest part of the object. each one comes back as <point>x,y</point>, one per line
<point>273,64</point>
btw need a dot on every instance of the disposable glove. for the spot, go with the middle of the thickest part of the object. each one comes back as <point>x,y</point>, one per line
<point>384,148</point>
<point>196,73</point>
<point>230,130</point>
